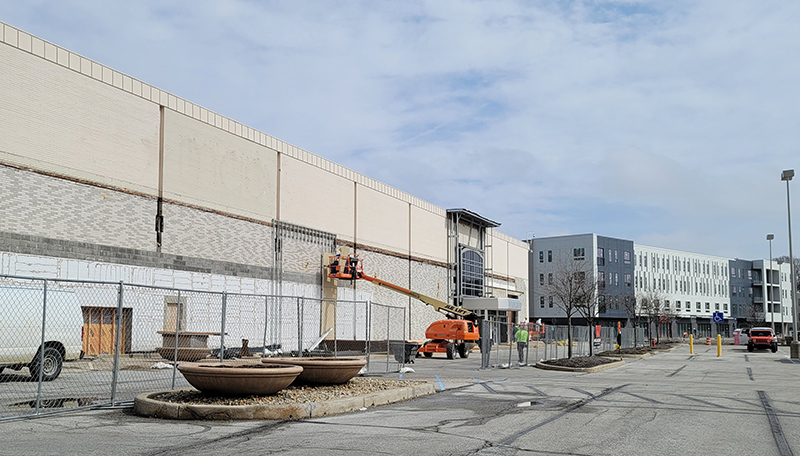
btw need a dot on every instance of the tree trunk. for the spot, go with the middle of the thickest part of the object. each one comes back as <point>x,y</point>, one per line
<point>569,337</point>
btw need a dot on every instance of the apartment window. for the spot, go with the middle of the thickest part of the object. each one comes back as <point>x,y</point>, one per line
<point>601,304</point>
<point>601,278</point>
<point>579,253</point>
<point>666,304</point>
<point>541,279</point>
<point>550,302</point>
<point>616,256</point>
<point>688,306</point>
<point>616,279</point>
<point>550,278</point>
<point>472,273</point>
<point>716,306</point>
<point>541,256</point>
<point>749,274</point>
<point>626,257</point>
<point>627,280</point>
<point>708,307</point>
<point>697,307</point>
<point>645,261</point>
<point>549,256</point>
<point>750,292</point>
<point>541,302</point>
<point>601,259</point>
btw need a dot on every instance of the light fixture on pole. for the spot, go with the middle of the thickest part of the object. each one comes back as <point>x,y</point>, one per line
<point>770,305</point>
<point>794,351</point>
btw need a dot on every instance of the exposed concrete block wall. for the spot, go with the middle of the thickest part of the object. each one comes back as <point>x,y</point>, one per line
<point>39,205</point>
<point>204,234</point>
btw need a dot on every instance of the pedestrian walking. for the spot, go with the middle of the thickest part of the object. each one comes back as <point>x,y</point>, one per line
<point>521,337</point>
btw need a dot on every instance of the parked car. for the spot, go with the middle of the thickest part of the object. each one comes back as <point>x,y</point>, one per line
<point>762,338</point>
<point>21,343</point>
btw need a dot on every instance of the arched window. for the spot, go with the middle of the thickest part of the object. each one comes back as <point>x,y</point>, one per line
<point>472,274</point>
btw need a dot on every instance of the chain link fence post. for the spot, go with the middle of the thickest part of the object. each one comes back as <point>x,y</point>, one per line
<point>117,340</point>
<point>41,350</point>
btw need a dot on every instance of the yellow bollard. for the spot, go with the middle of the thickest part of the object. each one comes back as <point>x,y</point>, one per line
<point>719,345</point>
<point>691,344</point>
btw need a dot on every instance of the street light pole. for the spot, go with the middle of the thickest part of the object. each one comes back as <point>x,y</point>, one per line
<point>770,304</point>
<point>787,175</point>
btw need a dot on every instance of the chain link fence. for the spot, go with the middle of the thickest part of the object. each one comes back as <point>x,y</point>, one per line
<point>499,348</point>
<point>69,344</point>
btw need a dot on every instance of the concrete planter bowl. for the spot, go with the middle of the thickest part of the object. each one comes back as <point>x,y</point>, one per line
<point>323,371</point>
<point>228,379</point>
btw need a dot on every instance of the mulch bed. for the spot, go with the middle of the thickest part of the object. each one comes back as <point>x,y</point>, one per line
<point>579,361</point>
<point>638,350</point>
<point>605,357</point>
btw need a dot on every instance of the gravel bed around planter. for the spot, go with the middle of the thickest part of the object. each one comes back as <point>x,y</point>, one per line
<point>357,386</point>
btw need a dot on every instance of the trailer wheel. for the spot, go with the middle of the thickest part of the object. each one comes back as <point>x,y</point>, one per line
<point>463,350</point>
<point>450,350</point>
<point>428,354</point>
<point>50,369</point>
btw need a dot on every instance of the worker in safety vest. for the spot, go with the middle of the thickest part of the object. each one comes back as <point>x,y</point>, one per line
<point>521,337</point>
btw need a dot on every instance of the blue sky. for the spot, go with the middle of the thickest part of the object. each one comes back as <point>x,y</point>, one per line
<point>667,123</point>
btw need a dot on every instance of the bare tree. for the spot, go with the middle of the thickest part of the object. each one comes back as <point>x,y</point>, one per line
<point>631,306</point>
<point>588,309</point>
<point>574,288</point>
<point>651,303</point>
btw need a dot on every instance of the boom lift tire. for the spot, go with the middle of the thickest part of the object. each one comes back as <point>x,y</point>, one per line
<point>463,350</point>
<point>450,350</point>
<point>428,354</point>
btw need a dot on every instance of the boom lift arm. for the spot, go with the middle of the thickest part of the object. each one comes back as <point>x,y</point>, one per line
<point>351,268</point>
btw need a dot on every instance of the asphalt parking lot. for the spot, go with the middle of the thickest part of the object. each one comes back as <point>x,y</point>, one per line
<point>671,403</point>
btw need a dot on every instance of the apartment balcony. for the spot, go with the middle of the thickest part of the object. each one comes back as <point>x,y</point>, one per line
<point>758,299</point>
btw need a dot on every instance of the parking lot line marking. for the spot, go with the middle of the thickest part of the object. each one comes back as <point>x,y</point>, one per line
<point>476,380</point>
<point>488,388</point>
<point>642,398</point>
<point>441,385</point>
<point>679,369</point>
<point>775,425</point>
<point>750,374</point>
<point>537,391</point>
<point>401,376</point>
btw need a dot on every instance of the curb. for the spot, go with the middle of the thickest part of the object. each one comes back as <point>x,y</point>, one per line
<point>144,405</point>
<point>589,370</point>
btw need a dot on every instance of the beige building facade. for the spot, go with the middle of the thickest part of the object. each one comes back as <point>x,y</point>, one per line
<point>101,168</point>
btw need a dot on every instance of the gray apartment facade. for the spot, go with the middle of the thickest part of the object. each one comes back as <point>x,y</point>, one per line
<point>697,294</point>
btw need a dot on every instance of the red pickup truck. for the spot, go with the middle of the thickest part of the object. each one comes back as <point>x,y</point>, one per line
<point>762,338</point>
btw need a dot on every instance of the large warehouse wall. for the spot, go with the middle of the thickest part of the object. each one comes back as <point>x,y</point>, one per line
<point>57,120</point>
<point>316,198</point>
<point>210,168</point>
<point>85,151</point>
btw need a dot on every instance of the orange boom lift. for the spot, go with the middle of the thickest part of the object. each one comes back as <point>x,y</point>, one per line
<point>445,336</point>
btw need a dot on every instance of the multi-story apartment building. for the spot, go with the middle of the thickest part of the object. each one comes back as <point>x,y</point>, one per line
<point>758,295</point>
<point>689,287</point>
<point>610,260</point>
